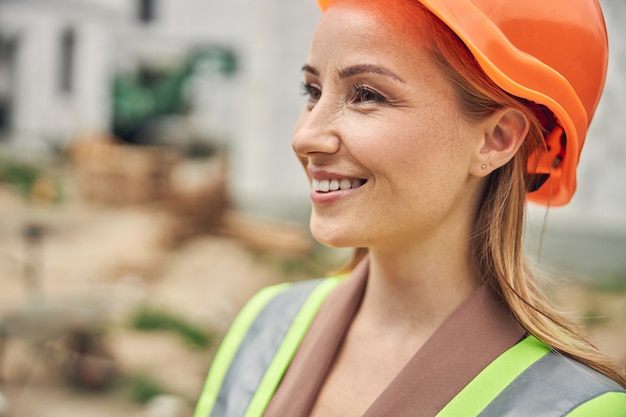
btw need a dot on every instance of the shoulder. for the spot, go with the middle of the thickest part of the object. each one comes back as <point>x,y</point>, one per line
<point>292,296</point>
<point>276,306</point>
<point>260,342</point>
<point>531,379</point>
<point>586,391</point>
<point>608,404</point>
<point>556,385</point>
<point>589,392</point>
<point>288,297</point>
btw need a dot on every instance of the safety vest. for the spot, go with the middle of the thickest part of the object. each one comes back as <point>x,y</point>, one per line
<point>521,382</point>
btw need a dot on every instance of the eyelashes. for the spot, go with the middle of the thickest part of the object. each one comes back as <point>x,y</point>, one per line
<point>312,92</point>
<point>358,94</point>
<point>363,94</point>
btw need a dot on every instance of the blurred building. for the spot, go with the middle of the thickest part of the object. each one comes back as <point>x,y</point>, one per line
<point>58,59</point>
<point>54,68</point>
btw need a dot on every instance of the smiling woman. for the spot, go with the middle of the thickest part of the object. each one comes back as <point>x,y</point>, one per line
<point>391,124</point>
<point>422,143</point>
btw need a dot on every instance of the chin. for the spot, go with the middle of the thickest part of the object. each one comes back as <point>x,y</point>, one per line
<point>330,235</point>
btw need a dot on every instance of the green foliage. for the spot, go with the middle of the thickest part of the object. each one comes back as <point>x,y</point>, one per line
<point>140,99</point>
<point>151,318</point>
<point>33,183</point>
<point>142,388</point>
<point>18,174</point>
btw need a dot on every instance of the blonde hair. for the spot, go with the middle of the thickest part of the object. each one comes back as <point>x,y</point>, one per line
<point>497,238</point>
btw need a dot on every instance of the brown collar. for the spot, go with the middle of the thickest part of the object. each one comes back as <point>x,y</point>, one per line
<point>476,333</point>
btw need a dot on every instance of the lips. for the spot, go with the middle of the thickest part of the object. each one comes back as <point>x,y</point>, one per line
<point>335,184</point>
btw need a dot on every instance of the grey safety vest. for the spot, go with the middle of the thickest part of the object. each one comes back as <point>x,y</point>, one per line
<point>528,380</point>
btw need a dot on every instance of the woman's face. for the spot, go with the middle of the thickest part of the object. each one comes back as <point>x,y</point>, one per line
<point>382,139</point>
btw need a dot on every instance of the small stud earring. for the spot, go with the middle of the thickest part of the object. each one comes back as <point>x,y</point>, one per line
<point>483,166</point>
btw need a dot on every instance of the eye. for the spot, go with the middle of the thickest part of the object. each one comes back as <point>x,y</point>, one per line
<point>313,92</point>
<point>362,94</point>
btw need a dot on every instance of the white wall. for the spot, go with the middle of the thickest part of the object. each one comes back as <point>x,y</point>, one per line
<point>41,112</point>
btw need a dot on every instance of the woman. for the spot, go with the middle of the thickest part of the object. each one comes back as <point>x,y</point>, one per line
<point>428,124</point>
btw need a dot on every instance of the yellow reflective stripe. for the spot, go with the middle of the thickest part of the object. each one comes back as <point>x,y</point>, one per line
<point>494,378</point>
<point>230,345</point>
<point>611,404</point>
<point>289,346</point>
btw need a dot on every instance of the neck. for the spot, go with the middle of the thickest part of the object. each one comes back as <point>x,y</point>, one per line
<point>418,287</point>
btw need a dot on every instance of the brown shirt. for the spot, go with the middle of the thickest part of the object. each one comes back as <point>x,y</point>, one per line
<point>475,334</point>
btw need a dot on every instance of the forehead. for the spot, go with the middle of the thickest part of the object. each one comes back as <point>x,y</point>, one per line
<point>373,28</point>
<point>401,15</point>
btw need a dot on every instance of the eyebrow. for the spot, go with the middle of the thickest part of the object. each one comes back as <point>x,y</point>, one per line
<point>356,70</point>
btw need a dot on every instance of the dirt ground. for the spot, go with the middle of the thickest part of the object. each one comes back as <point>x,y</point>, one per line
<point>94,266</point>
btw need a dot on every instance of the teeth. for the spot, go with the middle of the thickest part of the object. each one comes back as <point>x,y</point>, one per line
<point>325,186</point>
<point>345,184</point>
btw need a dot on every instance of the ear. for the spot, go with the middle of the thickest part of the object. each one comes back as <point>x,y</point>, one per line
<point>504,133</point>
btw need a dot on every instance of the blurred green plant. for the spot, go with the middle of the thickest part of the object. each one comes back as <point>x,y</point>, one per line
<point>19,174</point>
<point>143,387</point>
<point>143,97</point>
<point>151,318</point>
<point>30,181</point>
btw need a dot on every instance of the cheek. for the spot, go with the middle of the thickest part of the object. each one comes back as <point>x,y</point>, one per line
<point>412,152</point>
<point>424,162</point>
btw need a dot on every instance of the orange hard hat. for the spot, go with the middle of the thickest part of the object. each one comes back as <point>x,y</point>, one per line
<point>551,52</point>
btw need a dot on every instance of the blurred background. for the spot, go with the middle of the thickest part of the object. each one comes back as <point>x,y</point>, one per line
<point>148,189</point>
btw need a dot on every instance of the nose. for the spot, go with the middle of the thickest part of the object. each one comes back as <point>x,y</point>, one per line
<point>316,133</point>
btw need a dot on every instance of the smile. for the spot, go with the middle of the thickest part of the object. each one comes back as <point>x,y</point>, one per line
<point>326,186</point>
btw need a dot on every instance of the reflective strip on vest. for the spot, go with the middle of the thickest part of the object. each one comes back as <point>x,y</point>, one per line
<point>529,379</point>
<point>263,354</point>
<point>492,380</point>
<point>533,392</point>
